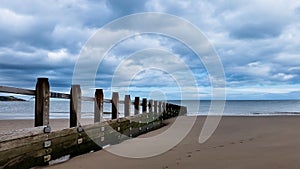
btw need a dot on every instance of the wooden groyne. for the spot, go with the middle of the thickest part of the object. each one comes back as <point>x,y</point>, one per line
<point>36,146</point>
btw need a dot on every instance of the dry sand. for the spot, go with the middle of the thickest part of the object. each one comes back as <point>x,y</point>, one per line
<point>238,143</point>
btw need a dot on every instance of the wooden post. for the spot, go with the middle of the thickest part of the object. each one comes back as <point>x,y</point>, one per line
<point>144,105</point>
<point>150,105</point>
<point>136,105</point>
<point>170,110</point>
<point>127,105</point>
<point>167,111</point>
<point>115,105</point>
<point>159,107</point>
<point>183,111</point>
<point>42,101</point>
<point>164,106</point>
<point>98,109</point>
<point>75,105</point>
<point>155,106</point>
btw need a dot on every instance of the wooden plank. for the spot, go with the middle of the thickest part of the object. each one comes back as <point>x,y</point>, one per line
<point>115,105</point>
<point>20,133</point>
<point>6,89</point>
<point>42,102</point>
<point>28,151</point>
<point>98,110</point>
<point>127,105</point>
<point>75,105</point>
<point>59,95</point>
<point>107,101</point>
<point>89,99</point>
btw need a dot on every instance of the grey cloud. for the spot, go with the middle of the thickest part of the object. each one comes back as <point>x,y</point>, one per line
<point>256,30</point>
<point>51,25</point>
<point>127,7</point>
<point>243,32</point>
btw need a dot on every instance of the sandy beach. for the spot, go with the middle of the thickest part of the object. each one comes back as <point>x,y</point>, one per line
<point>238,142</point>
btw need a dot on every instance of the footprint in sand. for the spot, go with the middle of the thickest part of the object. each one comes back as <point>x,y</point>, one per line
<point>178,161</point>
<point>251,139</point>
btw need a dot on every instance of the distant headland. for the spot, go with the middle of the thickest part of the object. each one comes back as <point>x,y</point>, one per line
<point>10,98</point>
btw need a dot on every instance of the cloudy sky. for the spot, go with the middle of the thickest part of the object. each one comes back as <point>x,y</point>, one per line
<point>257,42</point>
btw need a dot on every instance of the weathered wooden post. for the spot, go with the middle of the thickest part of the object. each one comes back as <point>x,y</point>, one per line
<point>127,105</point>
<point>155,106</point>
<point>150,105</point>
<point>136,105</point>
<point>42,101</point>
<point>164,107</point>
<point>166,116</point>
<point>159,107</point>
<point>183,111</point>
<point>98,105</point>
<point>115,105</point>
<point>170,110</point>
<point>75,105</point>
<point>144,105</point>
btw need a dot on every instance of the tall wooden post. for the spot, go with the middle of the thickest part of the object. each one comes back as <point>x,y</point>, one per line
<point>42,102</point>
<point>75,105</point>
<point>127,105</point>
<point>136,105</point>
<point>144,105</point>
<point>167,110</point>
<point>155,106</point>
<point>159,107</point>
<point>171,110</point>
<point>150,105</point>
<point>115,105</point>
<point>98,109</point>
<point>164,111</point>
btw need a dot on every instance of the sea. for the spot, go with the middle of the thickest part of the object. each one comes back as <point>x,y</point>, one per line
<point>60,109</point>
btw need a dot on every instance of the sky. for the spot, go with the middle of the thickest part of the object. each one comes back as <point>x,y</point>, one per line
<point>256,41</point>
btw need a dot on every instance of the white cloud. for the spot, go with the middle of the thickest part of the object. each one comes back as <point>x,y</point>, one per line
<point>255,69</point>
<point>283,76</point>
<point>286,58</point>
<point>250,90</point>
<point>59,55</point>
<point>71,35</point>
